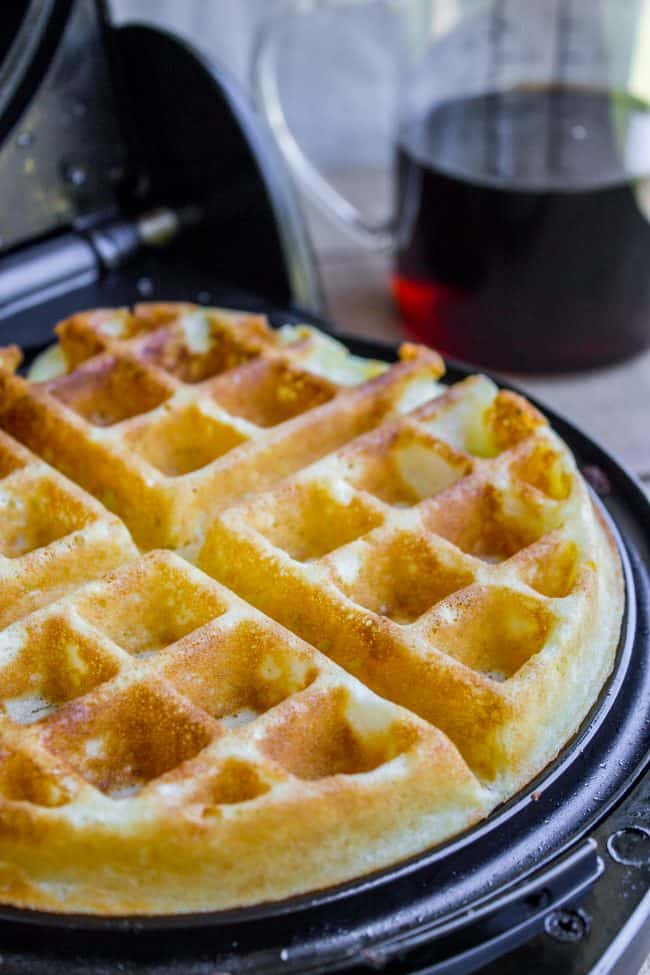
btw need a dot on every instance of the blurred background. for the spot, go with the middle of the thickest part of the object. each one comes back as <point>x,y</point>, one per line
<point>338,90</point>
<point>338,82</point>
<point>326,90</point>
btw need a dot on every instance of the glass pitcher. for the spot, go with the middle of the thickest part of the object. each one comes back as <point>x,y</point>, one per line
<point>521,145</point>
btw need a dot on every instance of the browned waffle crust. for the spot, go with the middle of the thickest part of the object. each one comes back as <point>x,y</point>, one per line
<point>167,745</point>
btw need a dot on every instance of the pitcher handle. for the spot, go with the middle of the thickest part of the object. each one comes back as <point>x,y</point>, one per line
<point>379,235</point>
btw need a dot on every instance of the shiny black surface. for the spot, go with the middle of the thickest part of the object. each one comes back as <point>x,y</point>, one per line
<point>107,124</point>
<point>62,154</point>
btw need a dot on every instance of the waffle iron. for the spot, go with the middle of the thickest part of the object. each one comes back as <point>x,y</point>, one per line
<point>131,168</point>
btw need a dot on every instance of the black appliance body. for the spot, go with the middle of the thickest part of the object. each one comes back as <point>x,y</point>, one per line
<point>132,169</point>
<point>130,164</point>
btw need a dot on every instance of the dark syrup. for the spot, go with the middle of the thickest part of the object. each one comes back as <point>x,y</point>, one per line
<point>522,241</point>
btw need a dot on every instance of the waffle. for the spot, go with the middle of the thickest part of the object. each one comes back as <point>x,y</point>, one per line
<point>53,536</point>
<point>172,410</point>
<point>173,749</point>
<point>423,604</point>
<point>452,560</point>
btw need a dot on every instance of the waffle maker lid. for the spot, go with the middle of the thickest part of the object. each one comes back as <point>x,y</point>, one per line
<point>114,142</point>
<point>130,164</point>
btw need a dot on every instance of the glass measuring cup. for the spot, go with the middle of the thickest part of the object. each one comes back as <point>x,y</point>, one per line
<point>521,233</point>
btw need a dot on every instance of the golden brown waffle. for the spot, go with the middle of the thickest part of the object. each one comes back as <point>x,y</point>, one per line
<point>172,749</point>
<point>53,536</point>
<point>453,562</point>
<point>172,411</point>
<point>166,747</point>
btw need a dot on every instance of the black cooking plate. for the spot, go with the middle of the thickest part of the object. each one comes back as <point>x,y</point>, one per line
<point>581,824</point>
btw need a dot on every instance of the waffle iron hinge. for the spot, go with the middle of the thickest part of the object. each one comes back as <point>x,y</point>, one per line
<point>39,272</point>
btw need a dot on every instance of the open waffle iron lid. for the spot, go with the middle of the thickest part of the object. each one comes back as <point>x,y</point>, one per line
<point>558,879</point>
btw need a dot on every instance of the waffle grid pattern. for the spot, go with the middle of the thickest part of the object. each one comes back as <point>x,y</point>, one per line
<point>170,745</point>
<point>135,674</point>
<point>155,695</point>
<point>452,568</point>
<point>165,414</point>
<point>53,536</point>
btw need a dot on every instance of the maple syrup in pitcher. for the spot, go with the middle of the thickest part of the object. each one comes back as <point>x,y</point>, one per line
<point>523,227</point>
